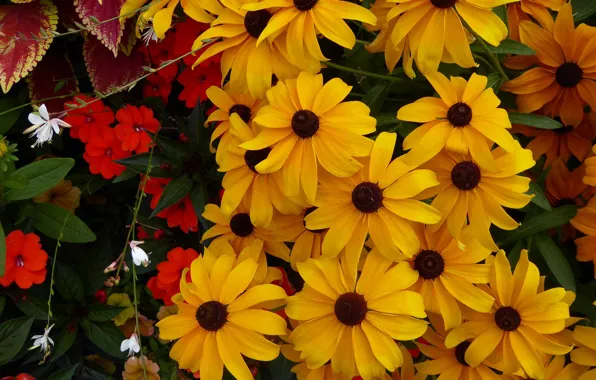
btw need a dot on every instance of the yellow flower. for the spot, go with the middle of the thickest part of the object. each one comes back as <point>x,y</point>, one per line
<point>133,369</point>
<point>3,147</point>
<point>121,300</point>
<point>526,10</point>
<point>63,195</point>
<point>307,124</point>
<point>251,66</point>
<point>219,320</point>
<point>555,369</point>
<point>516,331</point>
<point>590,177</point>
<point>585,221</point>
<point>462,121</point>
<point>302,19</point>
<point>434,26</point>
<point>448,274</point>
<point>381,200</point>
<point>262,192</point>
<point>585,354</point>
<point>228,103</point>
<point>354,324</point>
<point>467,190</point>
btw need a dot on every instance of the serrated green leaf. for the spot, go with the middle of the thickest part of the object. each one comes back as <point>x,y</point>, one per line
<point>556,261</point>
<point>539,198</point>
<point>42,176</point>
<point>49,219</point>
<point>13,334</point>
<point>536,121</point>
<point>174,192</point>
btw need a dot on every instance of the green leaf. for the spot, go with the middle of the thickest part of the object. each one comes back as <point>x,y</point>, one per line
<point>582,9</point>
<point>281,368</point>
<point>8,119</point>
<point>539,198</point>
<point>16,181</point>
<point>64,374</point>
<point>139,163</point>
<point>68,283</point>
<point>2,303</point>
<point>13,334</point>
<point>198,198</point>
<point>99,312</point>
<point>556,261</point>
<point>175,150</point>
<point>195,124</point>
<point>64,342</point>
<point>387,119</point>
<point>542,222</point>
<point>50,218</point>
<point>506,47</point>
<point>42,176</point>
<point>105,336</point>
<point>2,251</point>
<point>494,81</point>
<point>32,306</point>
<point>376,96</point>
<point>532,120</point>
<point>127,174</point>
<point>174,192</point>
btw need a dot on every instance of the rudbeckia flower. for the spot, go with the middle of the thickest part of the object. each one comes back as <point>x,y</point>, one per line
<point>251,66</point>
<point>85,120</point>
<point>263,192</point>
<point>585,221</point>
<point>379,200</point>
<point>468,190</point>
<point>528,10</point>
<point>564,81</point>
<point>354,323</point>
<point>434,26</point>
<point>25,260</point>
<point>516,331</point>
<point>564,187</point>
<point>590,177</point>
<point>555,369</point>
<point>447,274</point>
<point>219,319</point>
<point>585,354</point>
<point>306,124</point>
<point>463,120</point>
<point>303,19</point>
<point>133,125</point>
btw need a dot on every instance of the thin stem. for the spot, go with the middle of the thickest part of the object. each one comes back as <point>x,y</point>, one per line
<point>39,101</point>
<point>493,58</point>
<point>483,60</point>
<point>362,42</point>
<point>137,328</point>
<point>363,73</point>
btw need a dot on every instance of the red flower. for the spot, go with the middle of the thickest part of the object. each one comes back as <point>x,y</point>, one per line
<point>181,214</point>
<point>161,291</point>
<point>25,260</point>
<point>101,152</point>
<point>167,281</point>
<point>85,119</point>
<point>20,376</point>
<point>142,233</point>
<point>157,87</point>
<point>285,282</point>
<point>197,81</point>
<point>155,187</point>
<point>100,296</point>
<point>187,32</point>
<point>133,122</point>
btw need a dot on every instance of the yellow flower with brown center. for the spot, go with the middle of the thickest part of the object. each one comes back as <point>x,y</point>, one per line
<point>219,319</point>
<point>527,10</point>
<point>64,195</point>
<point>463,120</point>
<point>307,124</point>
<point>564,81</point>
<point>354,323</point>
<point>516,331</point>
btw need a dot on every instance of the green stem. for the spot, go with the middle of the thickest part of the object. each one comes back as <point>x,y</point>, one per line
<point>493,58</point>
<point>362,42</point>
<point>137,328</point>
<point>363,73</point>
<point>39,101</point>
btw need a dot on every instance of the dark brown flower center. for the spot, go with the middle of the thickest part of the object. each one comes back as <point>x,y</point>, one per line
<point>569,74</point>
<point>564,130</point>
<point>255,157</point>
<point>459,114</point>
<point>305,123</point>
<point>465,175</point>
<point>460,353</point>
<point>443,3</point>
<point>429,264</point>
<point>308,212</point>
<point>304,5</point>
<point>565,202</point>
<point>350,308</point>
<point>19,261</point>
<point>242,111</point>
<point>212,315</point>
<point>367,197</point>
<point>507,318</point>
<point>256,21</point>
<point>89,119</point>
<point>241,225</point>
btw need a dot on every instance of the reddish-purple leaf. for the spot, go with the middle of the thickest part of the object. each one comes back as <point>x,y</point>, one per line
<point>94,16</point>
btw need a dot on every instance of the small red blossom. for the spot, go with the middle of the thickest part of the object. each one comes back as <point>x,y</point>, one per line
<point>25,260</point>
<point>186,33</point>
<point>197,81</point>
<point>181,214</point>
<point>101,152</point>
<point>86,119</point>
<point>142,233</point>
<point>157,87</point>
<point>100,296</point>
<point>20,376</point>
<point>285,282</point>
<point>132,125</point>
<point>167,281</point>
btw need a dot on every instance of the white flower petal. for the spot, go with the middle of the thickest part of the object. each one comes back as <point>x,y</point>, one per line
<point>43,111</point>
<point>35,119</point>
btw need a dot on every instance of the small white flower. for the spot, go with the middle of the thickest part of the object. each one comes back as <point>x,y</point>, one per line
<point>43,341</point>
<point>43,127</point>
<point>139,256</point>
<point>131,344</point>
<point>149,35</point>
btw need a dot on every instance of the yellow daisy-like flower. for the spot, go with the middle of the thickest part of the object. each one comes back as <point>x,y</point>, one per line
<point>468,191</point>
<point>555,369</point>
<point>228,103</point>
<point>448,274</point>
<point>263,192</point>
<point>379,200</point>
<point>219,320</point>
<point>585,221</point>
<point>302,20</point>
<point>434,26</point>
<point>251,66</point>
<point>590,163</point>
<point>121,300</point>
<point>354,324</point>
<point>526,10</point>
<point>307,124</point>
<point>461,121</point>
<point>585,354</point>
<point>516,331</point>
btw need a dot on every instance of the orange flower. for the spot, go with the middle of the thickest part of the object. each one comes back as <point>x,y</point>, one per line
<point>85,120</point>
<point>567,188</point>
<point>537,9</point>
<point>25,260</point>
<point>63,195</point>
<point>167,281</point>
<point>590,163</point>
<point>585,221</point>
<point>145,326</point>
<point>101,152</point>
<point>133,369</point>
<point>133,122</point>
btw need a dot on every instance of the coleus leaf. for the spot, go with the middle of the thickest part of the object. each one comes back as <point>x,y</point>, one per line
<point>129,38</point>
<point>95,15</point>
<point>53,76</point>
<point>107,73</point>
<point>25,38</point>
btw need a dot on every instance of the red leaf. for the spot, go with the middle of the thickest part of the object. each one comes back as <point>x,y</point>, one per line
<point>52,77</point>
<point>19,51</point>
<point>109,33</point>
<point>107,72</point>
